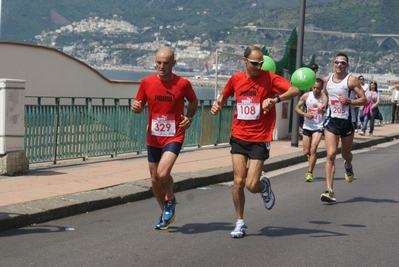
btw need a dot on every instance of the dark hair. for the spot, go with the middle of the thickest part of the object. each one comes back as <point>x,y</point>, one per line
<point>376,85</point>
<point>318,80</point>
<point>361,76</point>
<point>249,50</point>
<point>342,55</point>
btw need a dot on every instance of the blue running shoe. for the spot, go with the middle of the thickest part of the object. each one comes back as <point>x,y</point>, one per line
<point>169,211</point>
<point>161,224</point>
<point>239,231</point>
<point>267,194</point>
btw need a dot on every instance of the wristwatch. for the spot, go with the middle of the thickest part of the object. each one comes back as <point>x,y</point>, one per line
<point>190,119</point>
<point>349,101</point>
<point>278,98</point>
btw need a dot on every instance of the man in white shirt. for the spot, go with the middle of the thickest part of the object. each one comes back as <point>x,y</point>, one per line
<point>338,101</point>
<point>358,123</point>
<point>395,102</point>
<point>313,124</point>
<point>365,86</point>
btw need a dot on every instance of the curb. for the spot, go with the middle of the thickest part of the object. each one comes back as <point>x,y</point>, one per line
<point>39,211</point>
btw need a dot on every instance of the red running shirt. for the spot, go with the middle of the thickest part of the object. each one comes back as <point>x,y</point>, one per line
<point>165,107</point>
<point>250,124</point>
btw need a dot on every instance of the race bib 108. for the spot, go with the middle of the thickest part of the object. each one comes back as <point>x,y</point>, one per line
<point>248,108</point>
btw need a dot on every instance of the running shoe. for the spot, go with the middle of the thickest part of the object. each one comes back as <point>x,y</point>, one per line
<point>328,196</point>
<point>161,224</point>
<point>239,231</point>
<point>308,157</point>
<point>267,194</point>
<point>309,177</point>
<point>169,211</point>
<point>348,173</point>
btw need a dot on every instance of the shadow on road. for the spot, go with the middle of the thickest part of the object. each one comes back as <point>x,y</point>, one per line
<point>196,228</point>
<point>275,231</point>
<point>373,200</point>
<point>36,230</point>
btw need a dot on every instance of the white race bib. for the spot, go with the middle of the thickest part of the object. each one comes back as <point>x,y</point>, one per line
<point>317,115</point>
<point>248,108</point>
<point>163,125</point>
<point>338,110</point>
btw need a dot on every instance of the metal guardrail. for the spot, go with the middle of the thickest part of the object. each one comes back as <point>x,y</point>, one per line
<point>62,128</point>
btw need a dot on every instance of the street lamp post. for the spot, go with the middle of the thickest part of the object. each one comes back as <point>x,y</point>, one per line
<point>216,74</point>
<point>216,69</point>
<point>0,18</point>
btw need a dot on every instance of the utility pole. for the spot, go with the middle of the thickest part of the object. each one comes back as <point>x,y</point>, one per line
<point>299,56</point>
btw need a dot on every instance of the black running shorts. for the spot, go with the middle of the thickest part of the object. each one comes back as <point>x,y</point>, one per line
<point>309,133</point>
<point>253,150</point>
<point>340,127</point>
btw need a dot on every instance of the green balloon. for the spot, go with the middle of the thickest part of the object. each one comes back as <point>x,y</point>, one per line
<point>268,64</point>
<point>303,78</point>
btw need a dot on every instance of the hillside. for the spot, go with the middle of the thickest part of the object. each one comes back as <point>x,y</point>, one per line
<point>213,21</point>
<point>22,19</point>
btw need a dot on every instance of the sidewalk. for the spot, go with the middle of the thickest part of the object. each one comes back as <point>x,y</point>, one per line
<point>51,192</point>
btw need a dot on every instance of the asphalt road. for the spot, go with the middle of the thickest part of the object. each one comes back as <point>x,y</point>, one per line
<point>360,230</point>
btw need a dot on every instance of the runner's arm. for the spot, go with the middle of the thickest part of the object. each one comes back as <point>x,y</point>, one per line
<point>354,84</point>
<point>191,109</point>
<point>301,102</point>
<point>219,103</point>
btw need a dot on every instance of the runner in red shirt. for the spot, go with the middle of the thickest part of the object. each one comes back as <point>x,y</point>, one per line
<point>256,91</point>
<point>165,94</point>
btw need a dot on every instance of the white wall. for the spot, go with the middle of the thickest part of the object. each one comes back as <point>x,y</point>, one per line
<point>283,114</point>
<point>50,72</point>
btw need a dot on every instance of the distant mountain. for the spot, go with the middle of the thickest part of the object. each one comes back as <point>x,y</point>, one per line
<point>23,19</point>
<point>213,22</point>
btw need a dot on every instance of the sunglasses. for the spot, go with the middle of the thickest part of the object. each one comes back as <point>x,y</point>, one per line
<point>255,63</point>
<point>342,62</point>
